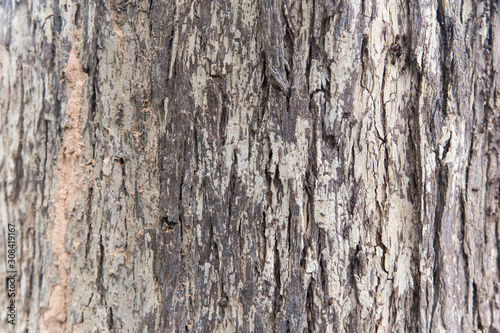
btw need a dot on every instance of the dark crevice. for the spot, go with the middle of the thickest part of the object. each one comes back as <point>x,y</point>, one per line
<point>288,43</point>
<point>463,239</point>
<point>268,176</point>
<point>77,18</point>
<point>90,299</point>
<point>100,263</point>
<point>240,237</point>
<point>45,163</point>
<point>277,276</point>
<point>18,159</point>
<point>91,127</point>
<point>121,161</point>
<point>110,318</point>
<point>196,146</point>
<point>384,126</point>
<point>323,269</point>
<point>263,244</point>
<point>223,119</point>
<point>351,204</point>
<point>311,52</point>
<point>415,69</point>
<point>446,29</point>
<point>469,160</point>
<point>150,7</point>
<point>223,302</point>
<point>442,187</point>
<point>180,206</point>
<point>384,251</point>
<point>311,315</point>
<point>278,184</point>
<point>489,59</point>
<point>126,234</point>
<point>289,228</point>
<point>446,148</point>
<point>89,221</point>
<point>211,239</point>
<point>231,188</point>
<point>353,269</point>
<point>475,306</point>
<point>364,59</point>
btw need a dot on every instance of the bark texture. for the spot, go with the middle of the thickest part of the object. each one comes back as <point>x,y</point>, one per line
<point>251,166</point>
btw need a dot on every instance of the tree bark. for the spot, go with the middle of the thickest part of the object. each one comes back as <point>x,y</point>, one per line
<point>251,166</point>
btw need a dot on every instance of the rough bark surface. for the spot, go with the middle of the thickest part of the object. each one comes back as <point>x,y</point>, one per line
<point>251,166</point>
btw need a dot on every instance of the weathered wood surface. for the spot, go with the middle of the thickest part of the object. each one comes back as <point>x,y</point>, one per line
<point>251,166</point>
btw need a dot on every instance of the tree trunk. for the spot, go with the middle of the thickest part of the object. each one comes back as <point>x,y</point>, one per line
<point>250,166</point>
